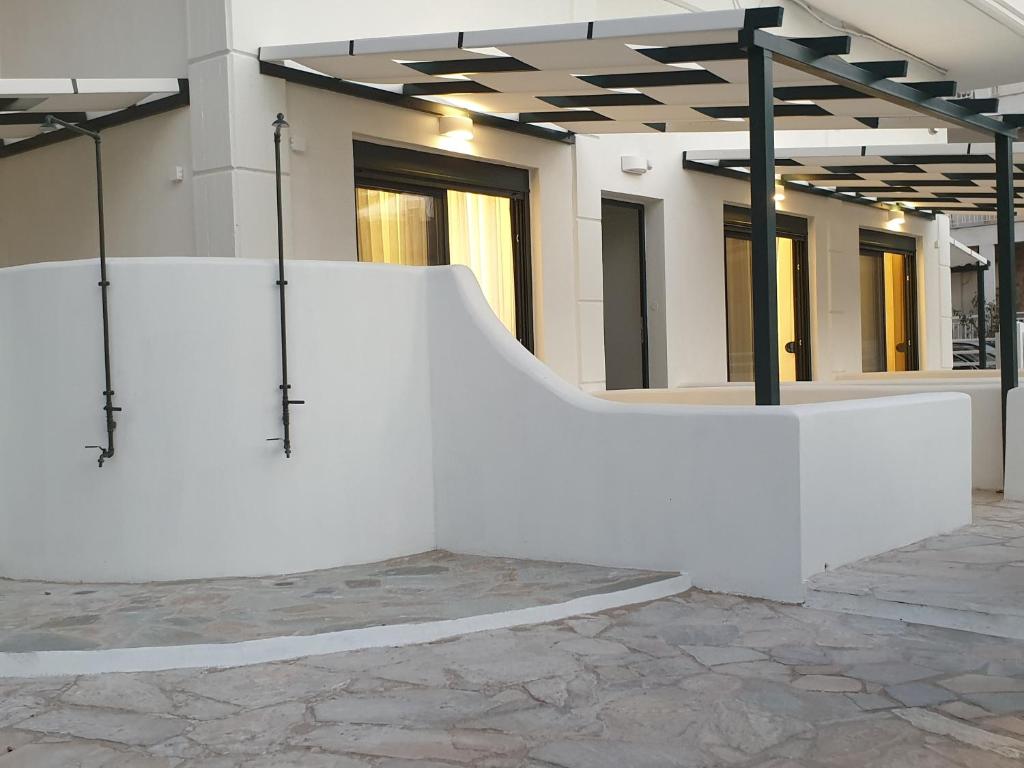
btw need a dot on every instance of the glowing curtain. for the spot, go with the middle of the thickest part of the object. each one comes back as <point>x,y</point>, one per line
<point>393,227</point>
<point>480,237</point>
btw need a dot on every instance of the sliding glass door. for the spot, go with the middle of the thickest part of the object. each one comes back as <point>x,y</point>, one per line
<point>888,306</point>
<point>794,342</point>
<point>416,209</point>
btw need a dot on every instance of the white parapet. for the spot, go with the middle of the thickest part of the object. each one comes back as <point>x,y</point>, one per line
<point>426,425</point>
<point>1013,490</point>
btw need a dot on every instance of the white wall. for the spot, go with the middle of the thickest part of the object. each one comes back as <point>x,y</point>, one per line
<point>96,38</point>
<point>48,195</point>
<point>902,489</point>
<point>985,426</point>
<point>743,498</point>
<point>1014,489</point>
<point>425,424</point>
<point>195,490</point>
<point>691,245</point>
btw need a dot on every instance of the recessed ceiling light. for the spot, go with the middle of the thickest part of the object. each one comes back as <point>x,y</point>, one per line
<point>686,65</point>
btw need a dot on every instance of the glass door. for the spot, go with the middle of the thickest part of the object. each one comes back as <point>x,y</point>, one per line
<point>886,311</point>
<point>418,209</point>
<point>792,295</point>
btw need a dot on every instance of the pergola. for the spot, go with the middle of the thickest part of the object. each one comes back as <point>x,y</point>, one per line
<point>93,103</point>
<point>695,72</point>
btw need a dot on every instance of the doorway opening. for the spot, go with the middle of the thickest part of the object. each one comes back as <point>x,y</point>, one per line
<point>793,296</point>
<point>624,267</point>
<point>888,302</point>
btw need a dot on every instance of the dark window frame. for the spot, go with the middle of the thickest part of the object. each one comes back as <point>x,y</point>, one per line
<point>641,211</point>
<point>795,228</point>
<point>874,242</point>
<point>396,169</point>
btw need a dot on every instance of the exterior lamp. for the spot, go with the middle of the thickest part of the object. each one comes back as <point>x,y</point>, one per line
<point>780,192</point>
<point>50,124</point>
<point>456,127</point>
<point>896,217</point>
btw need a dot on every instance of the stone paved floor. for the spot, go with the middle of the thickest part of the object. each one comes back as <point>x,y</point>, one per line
<point>694,680</point>
<point>979,568</point>
<point>39,616</point>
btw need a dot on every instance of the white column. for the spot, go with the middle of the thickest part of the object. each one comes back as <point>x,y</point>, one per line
<point>232,108</point>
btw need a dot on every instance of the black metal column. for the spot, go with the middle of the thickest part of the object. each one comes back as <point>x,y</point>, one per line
<point>1006,294</point>
<point>286,402</point>
<point>762,221</point>
<point>982,330</point>
<point>108,389</point>
<point>53,123</point>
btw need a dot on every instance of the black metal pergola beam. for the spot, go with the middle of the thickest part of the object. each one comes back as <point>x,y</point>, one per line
<point>829,67</point>
<point>809,189</point>
<point>119,117</point>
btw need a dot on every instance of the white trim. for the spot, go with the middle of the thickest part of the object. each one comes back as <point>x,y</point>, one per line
<point>973,254</point>
<point>154,659</point>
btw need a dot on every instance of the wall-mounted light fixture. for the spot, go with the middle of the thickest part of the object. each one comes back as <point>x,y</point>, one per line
<point>896,216</point>
<point>456,127</point>
<point>780,192</point>
<point>634,164</point>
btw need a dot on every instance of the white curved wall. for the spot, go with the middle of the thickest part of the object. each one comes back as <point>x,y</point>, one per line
<point>426,424</point>
<point>746,499</point>
<point>195,489</point>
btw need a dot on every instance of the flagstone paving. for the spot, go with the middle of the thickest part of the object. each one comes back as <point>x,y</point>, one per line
<point>693,680</point>
<point>41,616</point>
<point>972,578</point>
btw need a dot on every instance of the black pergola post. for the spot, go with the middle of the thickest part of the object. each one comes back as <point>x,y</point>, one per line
<point>982,330</point>
<point>1004,264</point>
<point>762,224</point>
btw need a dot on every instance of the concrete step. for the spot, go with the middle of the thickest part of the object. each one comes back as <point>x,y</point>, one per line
<point>968,620</point>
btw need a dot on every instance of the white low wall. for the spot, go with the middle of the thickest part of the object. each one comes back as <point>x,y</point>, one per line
<point>195,489</point>
<point>746,499</point>
<point>1014,488</point>
<point>986,463</point>
<point>426,425</point>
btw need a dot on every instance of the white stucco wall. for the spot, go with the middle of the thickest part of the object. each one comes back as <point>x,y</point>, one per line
<point>1014,489</point>
<point>986,454</point>
<point>687,235</point>
<point>425,424</point>
<point>743,498</point>
<point>195,490</point>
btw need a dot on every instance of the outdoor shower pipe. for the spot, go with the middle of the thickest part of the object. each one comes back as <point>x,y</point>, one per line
<point>51,123</point>
<point>278,124</point>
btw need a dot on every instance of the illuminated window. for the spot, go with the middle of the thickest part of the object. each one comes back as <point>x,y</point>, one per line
<point>420,209</point>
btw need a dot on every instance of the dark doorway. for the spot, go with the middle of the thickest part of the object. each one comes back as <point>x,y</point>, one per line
<point>625,295</point>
